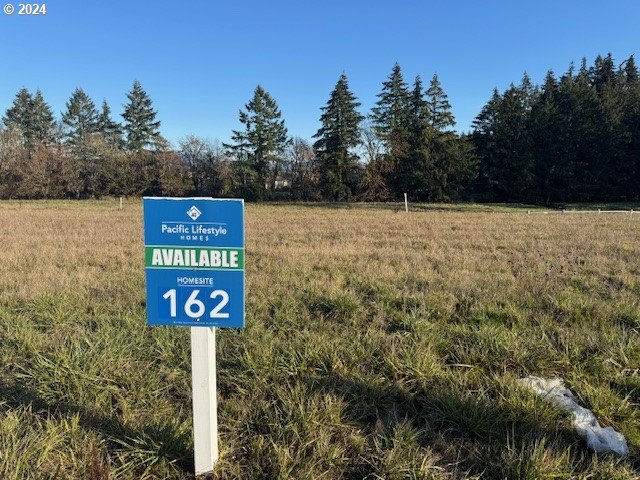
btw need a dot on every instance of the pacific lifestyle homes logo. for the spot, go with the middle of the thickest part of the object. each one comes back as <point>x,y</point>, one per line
<point>194,213</point>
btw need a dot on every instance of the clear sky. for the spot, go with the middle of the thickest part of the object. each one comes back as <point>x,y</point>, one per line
<point>200,60</point>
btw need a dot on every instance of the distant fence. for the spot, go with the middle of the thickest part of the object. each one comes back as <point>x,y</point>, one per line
<point>547,212</point>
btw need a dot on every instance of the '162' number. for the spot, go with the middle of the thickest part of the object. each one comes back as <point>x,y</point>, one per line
<point>193,307</point>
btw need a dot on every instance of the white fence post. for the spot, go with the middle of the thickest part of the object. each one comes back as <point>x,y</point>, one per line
<point>406,203</point>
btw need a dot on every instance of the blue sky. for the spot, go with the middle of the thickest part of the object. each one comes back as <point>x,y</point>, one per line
<point>200,60</point>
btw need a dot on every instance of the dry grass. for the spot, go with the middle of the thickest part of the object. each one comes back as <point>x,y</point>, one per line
<point>379,345</point>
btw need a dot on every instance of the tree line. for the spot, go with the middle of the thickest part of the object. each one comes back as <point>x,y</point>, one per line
<point>574,138</point>
<point>86,154</point>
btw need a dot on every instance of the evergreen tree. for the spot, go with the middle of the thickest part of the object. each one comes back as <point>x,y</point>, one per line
<point>453,165</point>
<point>438,164</point>
<point>337,137</point>
<point>440,115</point>
<point>545,128</point>
<point>462,169</point>
<point>485,141</point>
<point>19,115</point>
<point>419,111</point>
<point>576,139</point>
<point>390,116</point>
<point>586,133</point>
<point>391,122</point>
<point>414,169</point>
<point>240,148</point>
<point>141,127</point>
<point>584,69</point>
<point>32,117</point>
<point>603,72</point>
<point>110,130</point>
<point>501,137</point>
<point>81,122</point>
<point>251,185</point>
<point>263,143</point>
<point>44,124</point>
<point>630,75</point>
<point>528,92</point>
<point>80,118</point>
<point>630,148</point>
<point>442,139</point>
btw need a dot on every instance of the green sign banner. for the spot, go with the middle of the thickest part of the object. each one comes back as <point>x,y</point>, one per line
<point>194,258</point>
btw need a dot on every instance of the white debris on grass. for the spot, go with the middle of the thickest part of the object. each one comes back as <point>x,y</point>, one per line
<point>584,421</point>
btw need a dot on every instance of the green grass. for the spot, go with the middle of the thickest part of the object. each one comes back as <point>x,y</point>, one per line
<point>378,346</point>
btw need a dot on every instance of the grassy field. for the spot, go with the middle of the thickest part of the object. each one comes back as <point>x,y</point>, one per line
<point>379,345</point>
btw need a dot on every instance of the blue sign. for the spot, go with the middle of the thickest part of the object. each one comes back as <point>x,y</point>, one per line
<point>194,258</point>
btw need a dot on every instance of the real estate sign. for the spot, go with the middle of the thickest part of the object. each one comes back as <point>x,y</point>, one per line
<point>194,258</point>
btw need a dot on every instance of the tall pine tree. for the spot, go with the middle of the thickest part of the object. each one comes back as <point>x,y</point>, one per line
<point>440,115</point>
<point>337,137</point>
<point>502,138</point>
<point>545,129</point>
<point>630,148</point>
<point>32,117</point>
<point>391,119</point>
<point>19,115</point>
<point>261,145</point>
<point>108,128</point>
<point>141,127</point>
<point>80,118</point>
<point>44,124</point>
<point>451,166</point>
<point>413,166</point>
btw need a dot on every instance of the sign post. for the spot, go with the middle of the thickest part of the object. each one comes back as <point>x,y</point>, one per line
<point>194,258</point>
<point>205,404</point>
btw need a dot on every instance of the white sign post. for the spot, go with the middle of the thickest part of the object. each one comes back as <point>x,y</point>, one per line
<point>205,408</point>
